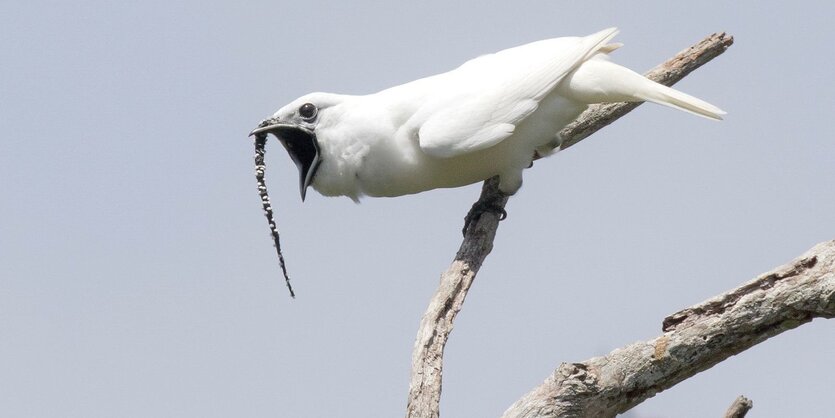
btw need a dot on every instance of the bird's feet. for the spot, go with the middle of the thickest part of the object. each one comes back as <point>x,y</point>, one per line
<point>478,209</point>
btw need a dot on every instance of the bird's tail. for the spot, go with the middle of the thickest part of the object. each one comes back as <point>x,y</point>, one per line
<point>600,81</point>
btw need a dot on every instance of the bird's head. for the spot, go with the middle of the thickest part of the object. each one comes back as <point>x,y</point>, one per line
<point>295,126</point>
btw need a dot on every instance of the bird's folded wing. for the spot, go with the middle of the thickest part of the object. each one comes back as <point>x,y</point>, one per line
<point>479,104</point>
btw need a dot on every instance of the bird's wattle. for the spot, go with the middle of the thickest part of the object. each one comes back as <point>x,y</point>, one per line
<point>303,147</point>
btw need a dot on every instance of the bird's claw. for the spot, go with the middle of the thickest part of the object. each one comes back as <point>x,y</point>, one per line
<point>478,209</point>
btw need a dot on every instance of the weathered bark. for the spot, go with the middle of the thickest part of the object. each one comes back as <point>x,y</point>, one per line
<point>739,408</point>
<point>427,357</point>
<point>694,340</point>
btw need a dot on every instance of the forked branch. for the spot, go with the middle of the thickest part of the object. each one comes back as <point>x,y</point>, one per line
<point>437,322</point>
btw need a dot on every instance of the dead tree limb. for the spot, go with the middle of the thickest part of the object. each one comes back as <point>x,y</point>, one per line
<point>739,408</point>
<point>694,340</point>
<point>437,322</point>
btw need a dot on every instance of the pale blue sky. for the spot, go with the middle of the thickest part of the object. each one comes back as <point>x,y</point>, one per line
<point>137,278</point>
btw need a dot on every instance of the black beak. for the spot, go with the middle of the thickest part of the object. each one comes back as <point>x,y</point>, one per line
<point>300,143</point>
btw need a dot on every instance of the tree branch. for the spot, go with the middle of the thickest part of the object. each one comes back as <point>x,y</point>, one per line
<point>739,408</point>
<point>427,357</point>
<point>437,322</point>
<point>694,340</point>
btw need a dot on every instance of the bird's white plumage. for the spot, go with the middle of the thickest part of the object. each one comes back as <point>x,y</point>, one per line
<point>486,97</point>
<point>487,117</point>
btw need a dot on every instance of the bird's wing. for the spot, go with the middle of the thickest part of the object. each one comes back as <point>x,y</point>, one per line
<point>479,104</point>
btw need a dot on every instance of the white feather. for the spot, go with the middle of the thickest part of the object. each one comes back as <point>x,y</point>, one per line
<point>487,117</point>
<point>599,80</point>
<point>481,102</point>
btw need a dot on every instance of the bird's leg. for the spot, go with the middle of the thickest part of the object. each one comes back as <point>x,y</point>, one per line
<point>491,200</point>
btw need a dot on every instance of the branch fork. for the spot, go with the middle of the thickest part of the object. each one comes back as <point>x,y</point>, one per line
<point>693,339</point>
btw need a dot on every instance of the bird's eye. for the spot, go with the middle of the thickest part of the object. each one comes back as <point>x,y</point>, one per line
<point>308,111</point>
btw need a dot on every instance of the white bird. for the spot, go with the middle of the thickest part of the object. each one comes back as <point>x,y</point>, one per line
<point>485,118</point>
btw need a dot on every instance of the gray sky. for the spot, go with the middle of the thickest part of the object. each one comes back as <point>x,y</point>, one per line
<point>137,278</point>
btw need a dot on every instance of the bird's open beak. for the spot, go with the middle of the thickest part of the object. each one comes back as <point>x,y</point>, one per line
<point>300,143</point>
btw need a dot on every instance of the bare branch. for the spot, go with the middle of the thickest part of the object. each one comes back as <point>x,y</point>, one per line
<point>694,340</point>
<point>427,357</point>
<point>739,408</point>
